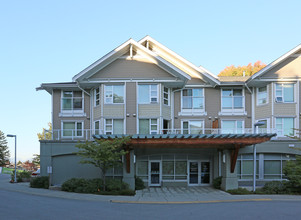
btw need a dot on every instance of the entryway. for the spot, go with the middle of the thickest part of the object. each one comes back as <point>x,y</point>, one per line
<point>198,173</point>
<point>155,168</point>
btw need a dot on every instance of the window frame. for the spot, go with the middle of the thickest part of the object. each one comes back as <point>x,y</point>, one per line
<point>235,129</point>
<point>258,93</point>
<point>189,129</point>
<point>97,129</point>
<point>150,125</point>
<point>281,98</point>
<point>150,94</point>
<point>112,93</point>
<point>232,109</point>
<point>282,130</point>
<point>192,110</point>
<point>96,100</point>
<point>112,125</point>
<point>75,129</point>
<point>168,96</point>
<point>72,110</point>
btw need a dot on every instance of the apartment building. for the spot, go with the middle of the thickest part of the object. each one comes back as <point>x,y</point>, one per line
<point>187,126</point>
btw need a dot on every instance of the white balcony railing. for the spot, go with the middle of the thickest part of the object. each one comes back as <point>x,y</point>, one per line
<point>87,134</point>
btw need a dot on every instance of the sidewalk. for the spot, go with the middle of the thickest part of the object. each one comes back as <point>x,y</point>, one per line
<point>165,195</point>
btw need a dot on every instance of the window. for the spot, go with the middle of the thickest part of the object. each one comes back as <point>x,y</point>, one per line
<point>114,126</point>
<point>96,97</point>
<point>193,127</point>
<point>72,129</point>
<point>166,95</point>
<point>245,167</point>
<point>274,164</point>
<point>263,128</point>
<point>285,126</point>
<point>96,128</point>
<point>148,94</point>
<point>72,100</point>
<point>114,94</point>
<point>148,126</point>
<point>284,93</point>
<point>193,99</point>
<point>232,127</point>
<point>232,100</point>
<point>262,95</point>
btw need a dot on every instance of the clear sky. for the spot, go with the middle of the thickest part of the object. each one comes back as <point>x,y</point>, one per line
<point>51,41</point>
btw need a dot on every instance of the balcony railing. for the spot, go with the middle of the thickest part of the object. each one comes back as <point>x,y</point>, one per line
<point>87,134</point>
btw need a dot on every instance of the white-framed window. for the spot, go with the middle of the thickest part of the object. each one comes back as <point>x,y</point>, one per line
<point>96,96</point>
<point>72,101</point>
<point>114,94</point>
<point>263,128</point>
<point>245,167</point>
<point>97,127</point>
<point>232,100</point>
<point>148,126</point>
<point>147,94</point>
<point>166,96</point>
<point>193,127</point>
<point>284,92</point>
<point>262,95</point>
<point>232,126</point>
<point>193,99</point>
<point>285,126</point>
<point>114,126</point>
<point>72,129</point>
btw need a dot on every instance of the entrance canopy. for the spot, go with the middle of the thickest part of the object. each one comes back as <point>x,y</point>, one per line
<point>232,142</point>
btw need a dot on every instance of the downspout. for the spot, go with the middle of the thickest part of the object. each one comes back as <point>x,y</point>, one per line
<point>77,83</point>
<point>248,88</point>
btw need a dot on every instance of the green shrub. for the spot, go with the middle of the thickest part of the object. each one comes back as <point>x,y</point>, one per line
<point>239,191</point>
<point>20,175</point>
<point>95,186</point>
<point>139,184</point>
<point>292,171</point>
<point>40,182</point>
<point>217,182</point>
<point>273,187</point>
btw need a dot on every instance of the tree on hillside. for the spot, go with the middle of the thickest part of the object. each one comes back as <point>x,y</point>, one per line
<point>249,70</point>
<point>36,159</point>
<point>46,133</point>
<point>103,154</point>
<point>4,152</point>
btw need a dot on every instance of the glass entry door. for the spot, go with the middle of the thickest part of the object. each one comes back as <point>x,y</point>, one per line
<point>154,173</point>
<point>193,173</point>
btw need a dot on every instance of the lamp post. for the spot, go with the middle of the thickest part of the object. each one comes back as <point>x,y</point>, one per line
<point>260,123</point>
<point>15,136</point>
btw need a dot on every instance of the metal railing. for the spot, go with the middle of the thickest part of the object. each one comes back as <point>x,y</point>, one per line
<point>87,134</point>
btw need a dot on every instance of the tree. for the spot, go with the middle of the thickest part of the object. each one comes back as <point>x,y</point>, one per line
<point>103,154</point>
<point>36,159</point>
<point>4,152</point>
<point>292,171</point>
<point>248,70</point>
<point>46,133</point>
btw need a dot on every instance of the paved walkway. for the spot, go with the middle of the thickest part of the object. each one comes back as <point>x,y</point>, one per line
<point>149,195</point>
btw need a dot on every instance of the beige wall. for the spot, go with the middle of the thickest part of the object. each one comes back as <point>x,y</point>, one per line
<point>123,68</point>
<point>291,67</point>
<point>149,110</point>
<point>131,108</point>
<point>113,110</point>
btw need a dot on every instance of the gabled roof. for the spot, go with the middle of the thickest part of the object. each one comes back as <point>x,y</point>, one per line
<point>122,49</point>
<point>200,70</point>
<point>274,63</point>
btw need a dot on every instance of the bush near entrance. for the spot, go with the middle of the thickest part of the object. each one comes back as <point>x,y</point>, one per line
<point>95,186</point>
<point>40,182</point>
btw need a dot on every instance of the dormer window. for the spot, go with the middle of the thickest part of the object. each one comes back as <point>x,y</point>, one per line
<point>284,92</point>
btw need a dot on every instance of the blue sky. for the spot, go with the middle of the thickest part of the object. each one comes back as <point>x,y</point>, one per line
<point>52,41</point>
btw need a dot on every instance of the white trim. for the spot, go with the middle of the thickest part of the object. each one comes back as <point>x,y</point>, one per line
<point>282,117</point>
<point>94,127</point>
<point>112,93</point>
<point>150,96</point>
<point>149,124</point>
<point>112,119</point>
<point>75,129</point>
<point>268,124</point>
<point>267,95</point>
<point>233,111</point>
<point>272,102</point>
<point>190,120</point>
<point>168,94</point>
<point>192,111</point>
<point>160,172</point>
<point>282,93</point>
<point>72,112</point>
<point>274,63</point>
<point>94,98</point>
<point>298,104</point>
<point>125,110</point>
<point>253,107</point>
<point>234,129</point>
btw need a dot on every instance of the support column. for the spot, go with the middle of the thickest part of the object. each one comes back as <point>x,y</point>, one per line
<point>229,180</point>
<point>129,170</point>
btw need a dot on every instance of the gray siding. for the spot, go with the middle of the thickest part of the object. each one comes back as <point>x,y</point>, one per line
<point>149,110</point>
<point>113,110</point>
<point>131,108</point>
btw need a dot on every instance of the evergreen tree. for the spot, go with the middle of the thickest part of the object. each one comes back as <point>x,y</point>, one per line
<point>4,152</point>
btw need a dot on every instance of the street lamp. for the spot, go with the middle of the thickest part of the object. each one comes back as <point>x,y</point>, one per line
<point>260,123</point>
<point>15,136</point>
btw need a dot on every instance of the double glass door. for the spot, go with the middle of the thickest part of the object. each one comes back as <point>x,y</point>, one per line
<point>198,173</point>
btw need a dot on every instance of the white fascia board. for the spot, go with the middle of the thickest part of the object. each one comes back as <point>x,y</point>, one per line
<point>274,63</point>
<point>99,61</point>
<point>200,69</point>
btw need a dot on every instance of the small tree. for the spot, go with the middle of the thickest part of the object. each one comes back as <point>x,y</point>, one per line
<point>36,159</point>
<point>4,152</point>
<point>46,133</point>
<point>292,171</point>
<point>103,154</point>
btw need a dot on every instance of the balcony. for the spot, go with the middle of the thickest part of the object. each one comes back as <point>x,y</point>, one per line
<point>87,134</point>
